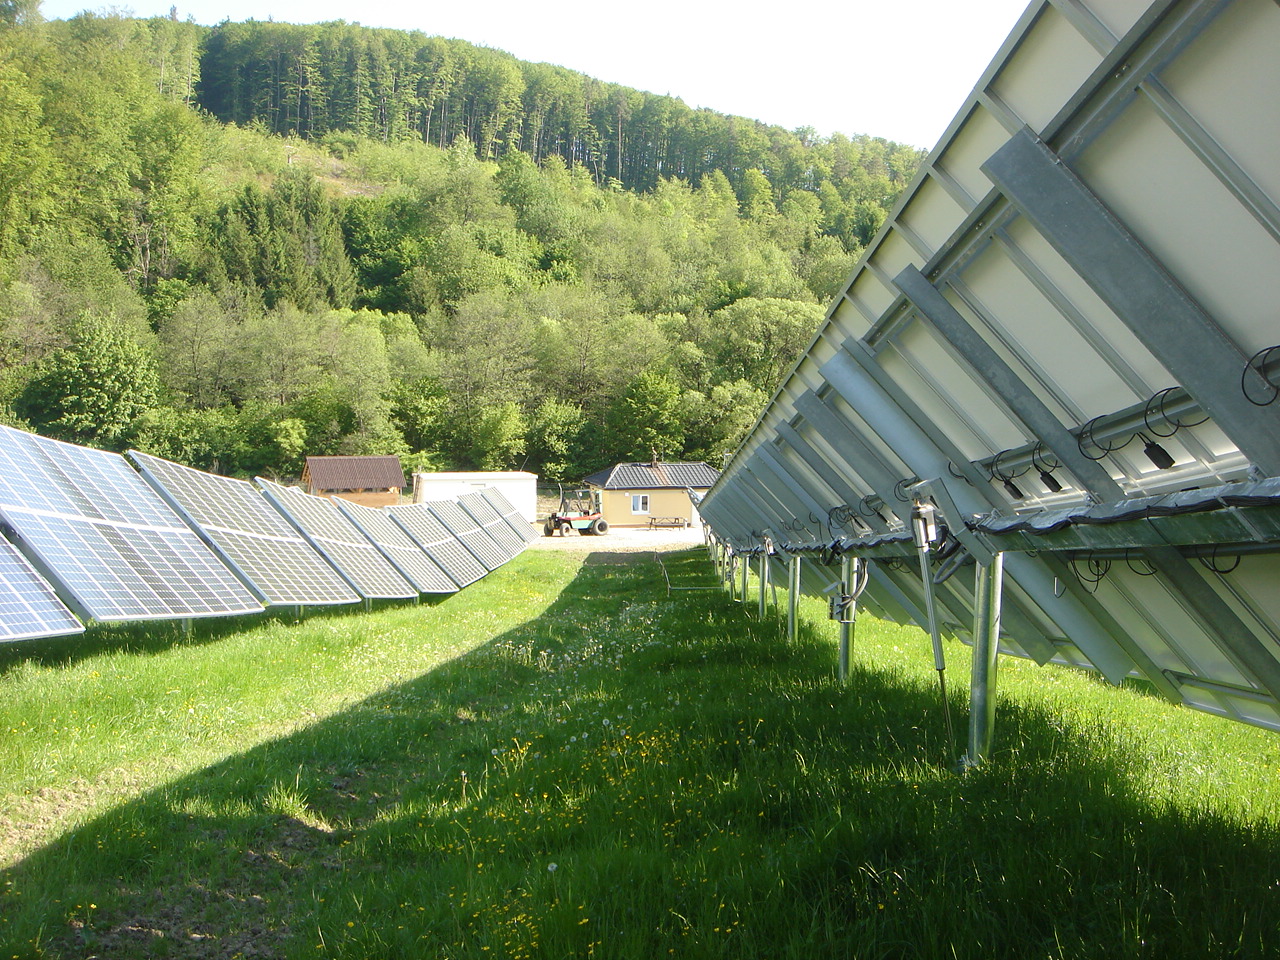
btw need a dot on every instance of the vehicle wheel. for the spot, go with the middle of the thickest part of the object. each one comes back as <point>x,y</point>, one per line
<point>566,529</point>
<point>600,527</point>
<point>548,528</point>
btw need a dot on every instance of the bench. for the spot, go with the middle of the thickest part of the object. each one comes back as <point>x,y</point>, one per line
<point>656,522</point>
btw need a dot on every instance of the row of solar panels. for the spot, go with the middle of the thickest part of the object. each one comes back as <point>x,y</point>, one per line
<point>1070,312</point>
<point>90,537</point>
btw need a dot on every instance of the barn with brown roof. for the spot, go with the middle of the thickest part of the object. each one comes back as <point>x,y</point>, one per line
<point>371,481</point>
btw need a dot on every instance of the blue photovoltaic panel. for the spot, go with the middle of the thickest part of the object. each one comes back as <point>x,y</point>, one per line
<point>110,546</point>
<point>28,606</point>
<point>491,522</point>
<point>340,541</point>
<point>441,545</point>
<point>254,540</point>
<point>472,536</point>
<point>523,528</point>
<point>397,546</point>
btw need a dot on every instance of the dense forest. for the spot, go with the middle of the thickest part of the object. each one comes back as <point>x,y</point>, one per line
<point>239,245</point>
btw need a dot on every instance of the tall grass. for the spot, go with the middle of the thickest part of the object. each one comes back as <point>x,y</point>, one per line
<point>565,760</point>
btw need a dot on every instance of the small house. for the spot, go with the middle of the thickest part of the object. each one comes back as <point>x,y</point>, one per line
<point>651,494</point>
<point>370,481</point>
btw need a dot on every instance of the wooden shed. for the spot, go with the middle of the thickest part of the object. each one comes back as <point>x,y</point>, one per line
<point>651,494</point>
<point>370,481</point>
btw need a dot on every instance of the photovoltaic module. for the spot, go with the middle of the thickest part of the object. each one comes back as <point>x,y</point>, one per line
<point>328,530</point>
<point>398,547</point>
<point>441,545</point>
<point>107,543</point>
<point>268,554</point>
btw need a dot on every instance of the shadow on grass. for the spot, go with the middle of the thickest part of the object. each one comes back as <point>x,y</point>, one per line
<point>632,775</point>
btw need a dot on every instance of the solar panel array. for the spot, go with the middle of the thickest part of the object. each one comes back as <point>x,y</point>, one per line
<point>340,541</point>
<point>29,607</point>
<point>469,533</point>
<point>498,500</point>
<point>398,547</point>
<point>89,537</point>
<point>264,550</point>
<point>1040,330</point>
<point>426,530</point>
<point>108,544</point>
<point>482,512</point>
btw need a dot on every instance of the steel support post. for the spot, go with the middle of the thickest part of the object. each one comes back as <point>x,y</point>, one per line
<point>848,571</point>
<point>988,587</point>
<point>923,522</point>
<point>746,573</point>
<point>764,579</point>
<point>793,598</point>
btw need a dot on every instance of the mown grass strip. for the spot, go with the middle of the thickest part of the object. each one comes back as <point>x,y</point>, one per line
<point>565,761</point>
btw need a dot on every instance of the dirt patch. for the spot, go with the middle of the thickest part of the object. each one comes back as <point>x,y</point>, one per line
<point>623,540</point>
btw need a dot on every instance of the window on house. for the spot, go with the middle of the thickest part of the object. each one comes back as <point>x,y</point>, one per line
<point>639,503</point>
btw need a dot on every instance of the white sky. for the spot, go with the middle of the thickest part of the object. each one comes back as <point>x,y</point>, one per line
<point>898,69</point>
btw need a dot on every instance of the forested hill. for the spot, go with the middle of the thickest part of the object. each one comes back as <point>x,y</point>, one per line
<point>392,85</point>
<point>373,252</point>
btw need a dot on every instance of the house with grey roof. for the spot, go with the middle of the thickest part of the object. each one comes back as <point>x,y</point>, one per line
<point>651,494</point>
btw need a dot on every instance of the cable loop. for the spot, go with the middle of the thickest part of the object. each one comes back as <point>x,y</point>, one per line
<point>1128,562</point>
<point>1087,438</point>
<point>1098,569</point>
<point>1211,562</point>
<point>1258,363</point>
<point>1005,476</point>
<point>1156,403</point>
<point>1038,460</point>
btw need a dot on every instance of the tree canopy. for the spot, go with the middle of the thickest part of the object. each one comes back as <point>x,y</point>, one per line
<point>240,245</point>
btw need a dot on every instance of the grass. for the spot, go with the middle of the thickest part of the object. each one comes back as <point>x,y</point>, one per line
<point>564,760</point>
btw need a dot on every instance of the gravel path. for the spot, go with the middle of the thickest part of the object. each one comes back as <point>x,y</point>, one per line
<point>623,540</point>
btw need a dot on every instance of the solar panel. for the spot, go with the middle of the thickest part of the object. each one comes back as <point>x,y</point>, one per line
<point>1032,332</point>
<point>491,522</point>
<point>253,539</point>
<point>340,541</point>
<point>472,536</point>
<point>28,606</point>
<point>397,546</point>
<point>498,500</point>
<point>111,547</point>
<point>440,545</point>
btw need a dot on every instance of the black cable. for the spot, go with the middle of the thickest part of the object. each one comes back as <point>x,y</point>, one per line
<point>1158,399</point>
<point>1261,358</point>
<point>1211,562</point>
<point>1038,459</point>
<point>1149,572</point>
<point>1004,476</point>
<point>1086,436</point>
<point>1098,569</point>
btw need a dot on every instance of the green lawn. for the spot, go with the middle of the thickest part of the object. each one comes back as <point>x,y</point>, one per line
<point>565,761</point>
